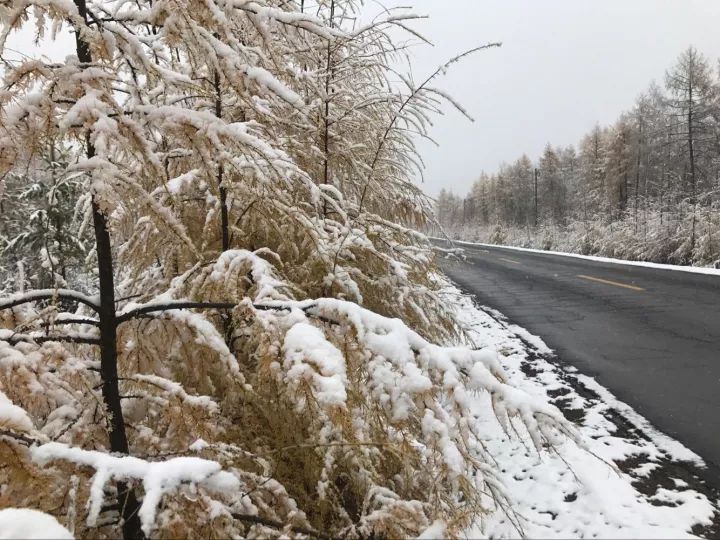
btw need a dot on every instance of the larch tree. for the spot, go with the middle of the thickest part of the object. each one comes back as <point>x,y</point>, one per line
<point>641,118</point>
<point>692,97</point>
<point>552,189</point>
<point>619,162</point>
<point>592,164</point>
<point>251,354</point>
<point>524,181</point>
<point>569,173</point>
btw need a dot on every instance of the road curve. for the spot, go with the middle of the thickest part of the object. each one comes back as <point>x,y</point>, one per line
<point>651,336</point>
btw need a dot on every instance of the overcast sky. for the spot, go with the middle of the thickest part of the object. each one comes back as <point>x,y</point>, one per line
<point>564,65</point>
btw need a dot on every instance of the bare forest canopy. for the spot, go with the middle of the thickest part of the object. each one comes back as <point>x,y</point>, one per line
<point>645,188</point>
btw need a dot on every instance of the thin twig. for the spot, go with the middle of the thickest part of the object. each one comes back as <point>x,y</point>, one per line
<point>280,525</point>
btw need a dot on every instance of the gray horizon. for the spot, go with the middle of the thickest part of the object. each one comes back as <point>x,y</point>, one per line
<point>563,67</point>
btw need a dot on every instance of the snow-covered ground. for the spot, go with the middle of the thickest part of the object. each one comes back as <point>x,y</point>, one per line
<point>630,482</point>
<point>30,525</point>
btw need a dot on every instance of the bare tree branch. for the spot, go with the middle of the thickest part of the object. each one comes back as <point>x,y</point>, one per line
<point>42,338</point>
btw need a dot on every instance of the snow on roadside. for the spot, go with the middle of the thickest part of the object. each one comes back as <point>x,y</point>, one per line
<point>691,269</point>
<point>573,493</point>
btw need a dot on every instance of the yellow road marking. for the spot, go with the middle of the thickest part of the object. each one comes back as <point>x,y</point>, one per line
<point>608,282</point>
<point>508,260</point>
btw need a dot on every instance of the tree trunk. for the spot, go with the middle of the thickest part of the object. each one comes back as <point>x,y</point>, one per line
<point>326,131</point>
<point>637,178</point>
<point>108,332</point>
<point>691,153</point>
<point>224,224</point>
<point>536,197</point>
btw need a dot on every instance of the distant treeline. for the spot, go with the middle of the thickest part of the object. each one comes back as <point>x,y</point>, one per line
<point>644,188</point>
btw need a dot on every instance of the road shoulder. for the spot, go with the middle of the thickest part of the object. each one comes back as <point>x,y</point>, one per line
<point>630,481</point>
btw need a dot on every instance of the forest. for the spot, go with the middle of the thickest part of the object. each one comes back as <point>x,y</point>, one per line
<point>644,188</point>
<point>217,315</point>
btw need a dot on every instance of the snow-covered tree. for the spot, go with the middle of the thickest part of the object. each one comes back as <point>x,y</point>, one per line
<point>644,188</point>
<point>252,353</point>
<point>618,167</point>
<point>693,94</point>
<point>553,203</point>
<point>40,238</point>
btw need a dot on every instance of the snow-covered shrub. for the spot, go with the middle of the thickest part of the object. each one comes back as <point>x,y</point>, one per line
<point>498,235</point>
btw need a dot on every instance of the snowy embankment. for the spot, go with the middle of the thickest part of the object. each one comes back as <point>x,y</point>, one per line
<point>691,269</point>
<point>634,482</point>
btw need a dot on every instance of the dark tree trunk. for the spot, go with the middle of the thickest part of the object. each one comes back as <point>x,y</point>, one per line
<point>108,332</point>
<point>326,131</point>
<point>637,177</point>
<point>224,224</point>
<point>691,153</point>
<point>536,197</point>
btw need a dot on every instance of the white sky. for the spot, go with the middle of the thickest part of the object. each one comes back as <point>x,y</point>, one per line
<point>564,65</point>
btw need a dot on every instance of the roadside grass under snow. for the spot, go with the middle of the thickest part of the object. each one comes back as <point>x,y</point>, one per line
<point>634,482</point>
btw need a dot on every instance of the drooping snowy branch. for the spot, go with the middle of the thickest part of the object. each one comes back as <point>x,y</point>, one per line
<point>13,417</point>
<point>157,478</point>
<point>42,337</point>
<point>48,294</point>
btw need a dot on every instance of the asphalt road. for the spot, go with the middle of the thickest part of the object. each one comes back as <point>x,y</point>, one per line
<point>651,336</point>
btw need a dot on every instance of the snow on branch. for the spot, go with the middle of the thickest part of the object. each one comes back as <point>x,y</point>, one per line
<point>41,337</point>
<point>236,262</point>
<point>47,294</point>
<point>424,364</point>
<point>397,20</point>
<point>176,390</point>
<point>308,355</point>
<point>404,365</point>
<point>158,478</point>
<point>217,279</point>
<point>207,335</point>
<point>12,417</point>
<point>290,18</point>
<point>156,307</point>
<point>407,377</point>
